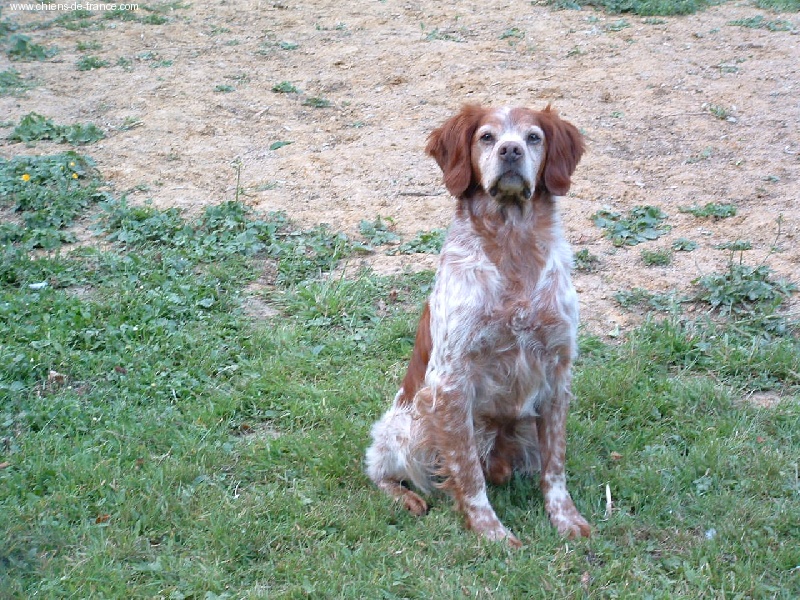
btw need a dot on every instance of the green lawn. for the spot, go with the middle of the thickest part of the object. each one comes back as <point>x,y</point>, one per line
<point>158,441</point>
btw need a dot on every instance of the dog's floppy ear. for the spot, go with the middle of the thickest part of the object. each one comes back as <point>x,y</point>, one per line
<point>451,146</point>
<point>564,149</point>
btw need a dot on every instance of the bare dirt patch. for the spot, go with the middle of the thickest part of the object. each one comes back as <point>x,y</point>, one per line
<point>677,111</point>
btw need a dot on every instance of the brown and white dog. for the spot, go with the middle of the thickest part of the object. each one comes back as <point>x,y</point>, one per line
<point>488,386</point>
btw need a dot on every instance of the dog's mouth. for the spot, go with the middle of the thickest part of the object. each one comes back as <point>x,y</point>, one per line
<point>511,186</point>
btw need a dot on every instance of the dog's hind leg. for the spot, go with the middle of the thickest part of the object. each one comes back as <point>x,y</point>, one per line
<point>390,459</point>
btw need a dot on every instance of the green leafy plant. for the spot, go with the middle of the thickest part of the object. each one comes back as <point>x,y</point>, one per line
<point>684,245</point>
<point>425,242</point>
<point>720,112</point>
<point>656,258</point>
<point>75,20</point>
<point>735,246</point>
<point>315,102</point>
<point>11,83</point>
<point>21,47</point>
<point>378,232</point>
<point>285,87</point>
<point>743,289</point>
<point>47,193</point>
<point>711,210</point>
<point>759,22</point>
<point>88,46</point>
<point>33,127</point>
<point>585,261</point>
<point>89,63</point>
<point>644,223</point>
<point>638,7</point>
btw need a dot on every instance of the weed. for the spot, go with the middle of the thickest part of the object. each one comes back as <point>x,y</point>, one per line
<point>88,46</point>
<point>437,34</point>
<point>74,20</point>
<point>743,290</point>
<point>705,154</point>
<point>279,144</point>
<point>48,192</point>
<point>779,5</point>
<point>22,48</point>
<point>735,246</point>
<point>710,210</point>
<point>120,14</point>
<point>163,8</point>
<point>224,88</point>
<point>317,102</point>
<point>33,127</point>
<point>656,258</point>
<point>684,245</point>
<point>639,7</point>
<point>759,22</point>
<point>643,223</point>
<point>585,261</point>
<point>513,35</point>
<point>425,242</point>
<point>640,297</point>
<point>157,64</point>
<point>89,63</point>
<point>241,78</point>
<point>720,112</point>
<point>12,84</point>
<point>130,123</point>
<point>378,232</point>
<point>285,87</point>
<point>153,20</point>
<point>618,25</point>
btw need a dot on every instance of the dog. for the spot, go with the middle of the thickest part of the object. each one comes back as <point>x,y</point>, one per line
<point>487,388</point>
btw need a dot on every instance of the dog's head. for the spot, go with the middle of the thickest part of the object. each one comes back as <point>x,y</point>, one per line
<point>508,153</point>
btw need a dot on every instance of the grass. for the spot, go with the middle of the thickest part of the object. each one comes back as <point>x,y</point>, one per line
<point>157,441</point>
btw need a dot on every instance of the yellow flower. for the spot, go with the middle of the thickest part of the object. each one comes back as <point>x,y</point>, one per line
<point>74,175</point>
<point>26,177</point>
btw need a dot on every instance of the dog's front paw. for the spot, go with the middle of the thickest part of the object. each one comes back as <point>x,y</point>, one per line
<point>486,524</point>
<point>570,523</point>
<point>414,503</point>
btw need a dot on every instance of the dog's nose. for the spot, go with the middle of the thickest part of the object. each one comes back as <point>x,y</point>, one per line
<point>510,152</point>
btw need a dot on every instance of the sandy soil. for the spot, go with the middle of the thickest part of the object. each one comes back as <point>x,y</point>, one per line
<point>642,91</point>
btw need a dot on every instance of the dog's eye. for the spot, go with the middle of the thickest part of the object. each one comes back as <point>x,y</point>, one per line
<point>534,138</point>
<point>487,137</point>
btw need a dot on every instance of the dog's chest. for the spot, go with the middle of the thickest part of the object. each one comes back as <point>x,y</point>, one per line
<point>501,333</point>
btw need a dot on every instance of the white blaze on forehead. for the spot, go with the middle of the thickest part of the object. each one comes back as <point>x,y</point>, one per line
<point>504,126</point>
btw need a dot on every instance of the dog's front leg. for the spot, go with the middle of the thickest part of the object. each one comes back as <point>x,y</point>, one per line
<point>453,436</point>
<point>552,428</point>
